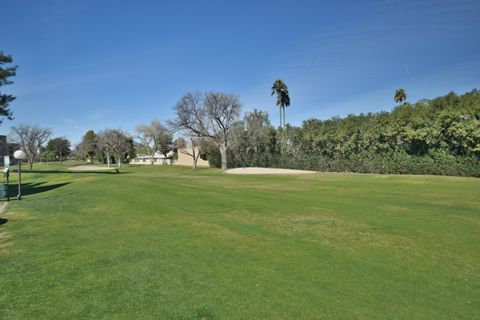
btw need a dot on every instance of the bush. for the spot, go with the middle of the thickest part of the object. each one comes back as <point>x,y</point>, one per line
<point>433,163</point>
<point>213,156</point>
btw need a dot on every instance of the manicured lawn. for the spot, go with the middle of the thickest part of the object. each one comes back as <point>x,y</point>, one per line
<point>168,242</point>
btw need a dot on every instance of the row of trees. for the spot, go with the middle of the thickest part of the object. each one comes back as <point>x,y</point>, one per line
<point>107,145</point>
<point>202,120</point>
<point>438,136</point>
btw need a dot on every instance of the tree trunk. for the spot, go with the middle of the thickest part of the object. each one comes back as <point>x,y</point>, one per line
<point>108,159</point>
<point>91,159</point>
<point>194,158</point>
<point>281,125</point>
<point>284,117</point>
<point>119,164</point>
<point>151,156</point>
<point>30,164</point>
<point>223,155</point>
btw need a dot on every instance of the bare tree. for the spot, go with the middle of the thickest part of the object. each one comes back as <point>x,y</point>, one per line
<point>146,136</point>
<point>115,142</point>
<point>154,137</point>
<point>31,138</point>
<point>209,117</point>
<point>222,111</point>
<point>193,148</point>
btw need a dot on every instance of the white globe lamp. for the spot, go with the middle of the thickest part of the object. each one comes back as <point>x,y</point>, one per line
<point>19,155</point>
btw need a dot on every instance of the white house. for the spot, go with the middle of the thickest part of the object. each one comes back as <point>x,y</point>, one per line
<point>158,158</point>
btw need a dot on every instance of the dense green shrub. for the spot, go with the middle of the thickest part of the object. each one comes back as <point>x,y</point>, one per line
<point>439,136</point>
<point>213,156</point>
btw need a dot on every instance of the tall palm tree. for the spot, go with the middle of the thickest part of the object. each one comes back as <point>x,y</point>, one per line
<point>400,96</point>
<point>283,99</point>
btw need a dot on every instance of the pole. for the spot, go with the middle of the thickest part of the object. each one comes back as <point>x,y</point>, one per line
<point>19,196</point>
<point>8,181</point>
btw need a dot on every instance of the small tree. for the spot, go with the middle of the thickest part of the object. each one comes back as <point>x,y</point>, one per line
<point>132,153</point>
<point>5,99</point>
<point>45,155</point>
<point>89,145</point>
<point>115,142</point>
<point>146,138</point>
<point>30,138</point>
<point>165,145</point>
<point>59,147</point>
<point>154,137</point>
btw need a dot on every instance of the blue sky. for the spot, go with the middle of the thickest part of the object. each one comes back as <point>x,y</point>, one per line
<point>96,64</point>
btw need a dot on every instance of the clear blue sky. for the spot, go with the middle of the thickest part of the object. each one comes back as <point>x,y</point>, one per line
<point>95,64</point>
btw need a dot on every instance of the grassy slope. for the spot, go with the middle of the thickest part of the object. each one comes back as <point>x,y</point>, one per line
<point>167,242</point>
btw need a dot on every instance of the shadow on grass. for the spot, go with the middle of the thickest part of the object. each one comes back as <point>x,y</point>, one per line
<point>33,188</point>
<point>71,172</point>
<point>3,221</point>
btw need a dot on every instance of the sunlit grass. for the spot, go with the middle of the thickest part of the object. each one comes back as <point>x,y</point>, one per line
<point>169,242</point>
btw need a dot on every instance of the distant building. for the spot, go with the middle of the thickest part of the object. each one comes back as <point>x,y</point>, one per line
<point>3,148</point>
<point>186,160</point>
<point>7,149</point>
<point>158,158</point>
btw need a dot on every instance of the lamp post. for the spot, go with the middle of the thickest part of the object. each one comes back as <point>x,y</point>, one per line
<point>19,155</point>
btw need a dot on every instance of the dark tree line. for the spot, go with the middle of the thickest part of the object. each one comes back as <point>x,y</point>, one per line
<point>108,146</point>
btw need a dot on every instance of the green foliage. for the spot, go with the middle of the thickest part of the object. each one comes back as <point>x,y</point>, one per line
<point>400,96</point>
<point>281,90</point>
<point>132,152</point>
<point>165,142</point>
<point>254,141</point>
<point>59,148</point>
<point>89,145</point>
<point>5,74</point>
<point>439,136</point>
<point>213,156</point>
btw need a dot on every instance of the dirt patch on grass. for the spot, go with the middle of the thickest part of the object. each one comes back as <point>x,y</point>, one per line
<point>258,170</point>
<point>91,168</point>
<point>3,206</point>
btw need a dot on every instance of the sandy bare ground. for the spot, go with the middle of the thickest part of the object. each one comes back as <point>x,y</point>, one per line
<point>256,170</point>
<point>3,206</point>
<point>91,168</point>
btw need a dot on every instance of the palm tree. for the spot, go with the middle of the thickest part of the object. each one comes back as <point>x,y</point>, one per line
<point>283,99</point>
<point>400,96</point>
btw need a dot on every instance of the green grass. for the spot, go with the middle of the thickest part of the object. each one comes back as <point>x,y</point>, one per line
<point>170,243</point>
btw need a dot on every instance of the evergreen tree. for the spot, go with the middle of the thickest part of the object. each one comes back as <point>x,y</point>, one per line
<point>5,74</point>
